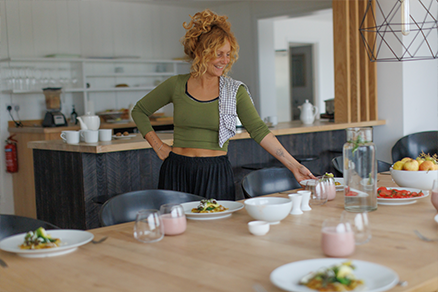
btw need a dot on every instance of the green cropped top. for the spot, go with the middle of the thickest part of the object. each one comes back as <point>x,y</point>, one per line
<point>196,123</point>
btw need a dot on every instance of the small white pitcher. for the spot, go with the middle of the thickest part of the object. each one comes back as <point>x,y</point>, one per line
<point>308,113</point>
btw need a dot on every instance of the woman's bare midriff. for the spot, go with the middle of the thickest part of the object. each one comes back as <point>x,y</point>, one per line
<point>197,152</point>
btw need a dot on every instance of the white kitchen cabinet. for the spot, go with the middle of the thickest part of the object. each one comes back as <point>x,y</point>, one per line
<point>97,79</point>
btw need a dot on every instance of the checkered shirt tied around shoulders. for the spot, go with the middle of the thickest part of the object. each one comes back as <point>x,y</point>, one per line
<point>227,107</point>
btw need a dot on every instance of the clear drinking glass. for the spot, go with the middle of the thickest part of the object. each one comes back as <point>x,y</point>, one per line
<point>360,171</point>
<point>174,219</point>
<point>148,226</point>
<point>434,195</point>
<point>318,192</point>
<point>360,225</point>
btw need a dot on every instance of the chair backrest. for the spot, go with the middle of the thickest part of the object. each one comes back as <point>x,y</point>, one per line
<point>123,208</point>
<point>13,224</point>
<point>338,164</point>
<point>412,145</point>
<point>267,181</point>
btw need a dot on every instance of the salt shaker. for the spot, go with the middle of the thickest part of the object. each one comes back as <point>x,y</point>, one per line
<point>305,200</point>
<point>296,204</point>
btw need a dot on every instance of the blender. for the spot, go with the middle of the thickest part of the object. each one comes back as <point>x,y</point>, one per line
<point>53,117</point>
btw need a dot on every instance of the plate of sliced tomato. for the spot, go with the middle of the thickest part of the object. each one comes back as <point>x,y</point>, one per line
<point>399,196</point>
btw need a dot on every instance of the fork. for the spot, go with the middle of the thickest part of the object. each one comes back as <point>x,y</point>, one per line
<point>3,263</point>
<point>422,237</point>
<point>100,240</point>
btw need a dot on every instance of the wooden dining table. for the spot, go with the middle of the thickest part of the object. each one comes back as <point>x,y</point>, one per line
<point>221,255</point>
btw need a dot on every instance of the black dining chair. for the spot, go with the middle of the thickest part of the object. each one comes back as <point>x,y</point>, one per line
<point>124,207</point>
<point>338,164</point>
<point>267,181</point>
<point>13,224</point>
<point>412,145</point>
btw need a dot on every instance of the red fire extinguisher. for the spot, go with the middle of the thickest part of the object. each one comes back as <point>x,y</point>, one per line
<point>11,155</point>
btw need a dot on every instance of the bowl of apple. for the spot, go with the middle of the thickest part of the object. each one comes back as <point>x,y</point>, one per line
<point>416,173</point>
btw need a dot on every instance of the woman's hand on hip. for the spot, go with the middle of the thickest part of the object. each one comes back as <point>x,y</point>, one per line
<point>163,151</point>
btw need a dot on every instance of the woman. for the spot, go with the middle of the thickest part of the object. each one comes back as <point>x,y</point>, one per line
<point>206,104</point>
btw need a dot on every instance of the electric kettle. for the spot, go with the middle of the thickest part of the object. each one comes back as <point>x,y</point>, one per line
<point>308,112</point>
<point>89,122</point>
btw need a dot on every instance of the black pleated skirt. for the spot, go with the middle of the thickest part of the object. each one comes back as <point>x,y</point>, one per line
<point>209,177</point>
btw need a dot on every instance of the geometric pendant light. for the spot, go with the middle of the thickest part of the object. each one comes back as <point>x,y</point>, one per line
<point>400,30</point>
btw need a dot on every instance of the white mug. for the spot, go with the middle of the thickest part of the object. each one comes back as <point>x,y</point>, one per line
<point>70,137</point>
<point>90,136</point>
<point>105,134</point>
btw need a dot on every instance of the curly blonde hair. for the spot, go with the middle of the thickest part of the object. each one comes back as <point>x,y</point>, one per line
<point>205,34</point>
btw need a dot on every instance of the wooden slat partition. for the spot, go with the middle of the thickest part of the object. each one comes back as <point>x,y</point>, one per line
<point>355,75</point>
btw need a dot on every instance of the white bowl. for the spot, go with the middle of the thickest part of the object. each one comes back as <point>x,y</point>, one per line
<point>258,227</point>
<point>414,179</point>
<point>269,209</point>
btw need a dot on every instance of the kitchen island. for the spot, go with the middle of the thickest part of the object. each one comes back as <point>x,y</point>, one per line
<point>72,181</point>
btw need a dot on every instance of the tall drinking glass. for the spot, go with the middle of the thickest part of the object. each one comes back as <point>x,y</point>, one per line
<point>360,171</point>
<point>148,226</point>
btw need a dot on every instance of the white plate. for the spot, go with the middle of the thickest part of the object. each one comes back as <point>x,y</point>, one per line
<point>376,277</point>
<point>70,241</point>
<point>436,218</point>
<point>405,201</point>
<point>337,179</point>
<point>231,205</point>
<point>396,203</point>
<point>124,137</point>
<point>341,181</point>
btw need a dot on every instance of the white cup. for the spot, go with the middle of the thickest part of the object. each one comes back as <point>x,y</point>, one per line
<point>105,134</point>
<point>258,228</point>
<point>305,201</point>
<point>90,136</point>
<point>70,137</point>
<point>296,204</point>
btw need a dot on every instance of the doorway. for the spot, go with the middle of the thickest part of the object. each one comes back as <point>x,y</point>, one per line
<point>301,77</point>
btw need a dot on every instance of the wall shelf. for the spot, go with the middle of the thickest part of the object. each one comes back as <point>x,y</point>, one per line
<point>89,75</point>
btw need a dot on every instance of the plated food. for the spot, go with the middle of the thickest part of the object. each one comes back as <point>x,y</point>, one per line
<point>39,239</point>
<point>339,277</point>
<point>209,206</point>
<point>231,206</point>
<point>386,193</point>
<point>70,240</point>
<point>399,196</point>
<point>376,278</point>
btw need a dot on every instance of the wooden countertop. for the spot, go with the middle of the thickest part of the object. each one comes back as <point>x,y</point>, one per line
<point>34,127</point>
<point>285,128</point>
<point>221,255</point>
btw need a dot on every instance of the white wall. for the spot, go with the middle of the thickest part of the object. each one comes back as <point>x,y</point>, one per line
<point>317,30</point>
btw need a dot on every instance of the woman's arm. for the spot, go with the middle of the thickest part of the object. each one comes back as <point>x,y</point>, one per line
<point>158,145</point>
<point>271,144</point>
